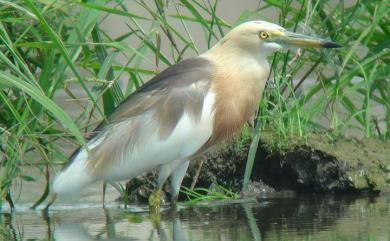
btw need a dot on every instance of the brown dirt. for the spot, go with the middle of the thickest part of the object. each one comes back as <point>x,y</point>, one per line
<point>311,164</point>
<point>319,164</point>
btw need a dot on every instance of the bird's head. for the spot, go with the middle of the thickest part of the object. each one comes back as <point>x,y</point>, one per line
<point>264,38</point>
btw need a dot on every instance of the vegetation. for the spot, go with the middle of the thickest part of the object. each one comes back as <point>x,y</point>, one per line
<point>55,48</point>
<point>203,194</point>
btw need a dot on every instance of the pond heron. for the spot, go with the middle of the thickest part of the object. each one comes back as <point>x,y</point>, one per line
<point>182,112</point>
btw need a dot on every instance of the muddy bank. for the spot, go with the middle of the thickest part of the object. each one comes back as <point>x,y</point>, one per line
<point>320,164</point>
<point>312,164</point>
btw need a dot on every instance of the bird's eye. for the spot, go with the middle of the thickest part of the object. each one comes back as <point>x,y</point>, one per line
<point>263,35</point>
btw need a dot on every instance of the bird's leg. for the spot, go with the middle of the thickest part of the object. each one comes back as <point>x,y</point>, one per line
<point>115,185</point>
<point>154,198</point>
<point>118,188</point>
<point>179,167</point>
<point>176,179</point>
<point>154,202</point>
<point>45,210</point>
<point>154,206</point>
<point>104,192</point>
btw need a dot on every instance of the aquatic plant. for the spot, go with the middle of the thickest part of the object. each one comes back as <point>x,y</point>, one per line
<point>203,194</point>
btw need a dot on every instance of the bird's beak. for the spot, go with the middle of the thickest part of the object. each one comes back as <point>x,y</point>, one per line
<point>300,40</point>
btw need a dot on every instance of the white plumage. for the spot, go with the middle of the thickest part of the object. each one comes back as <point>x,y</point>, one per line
<point>151,154</point>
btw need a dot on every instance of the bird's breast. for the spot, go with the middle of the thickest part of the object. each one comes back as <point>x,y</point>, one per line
<point>237,89</point>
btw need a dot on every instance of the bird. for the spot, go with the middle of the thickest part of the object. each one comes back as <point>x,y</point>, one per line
<point>182,112</point>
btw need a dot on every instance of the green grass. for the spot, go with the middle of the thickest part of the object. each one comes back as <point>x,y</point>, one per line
<point>203,194</point>
<point>48,47</point>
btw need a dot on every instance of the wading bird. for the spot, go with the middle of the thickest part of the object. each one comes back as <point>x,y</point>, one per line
<point>182,111</point>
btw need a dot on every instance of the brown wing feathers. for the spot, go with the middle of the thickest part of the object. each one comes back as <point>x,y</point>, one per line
<point>179,88</point>
<point>163,100</point>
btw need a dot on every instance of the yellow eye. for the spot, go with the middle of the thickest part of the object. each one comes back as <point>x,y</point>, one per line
<point>263,35</point>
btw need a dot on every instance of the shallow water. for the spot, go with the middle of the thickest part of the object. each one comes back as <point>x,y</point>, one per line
<point>292,218</point>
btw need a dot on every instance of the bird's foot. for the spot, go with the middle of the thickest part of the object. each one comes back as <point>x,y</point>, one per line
<point>154,202</point>
<point>45,210</point>
<point>154,207</point>
<point>174,203</point>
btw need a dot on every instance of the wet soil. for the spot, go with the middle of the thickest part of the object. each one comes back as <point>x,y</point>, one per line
<point>314,164</point>
<point>319,163</point>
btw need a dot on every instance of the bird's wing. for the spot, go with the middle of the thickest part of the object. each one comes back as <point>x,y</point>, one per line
<point>155,107</point>
<point>178,89</point>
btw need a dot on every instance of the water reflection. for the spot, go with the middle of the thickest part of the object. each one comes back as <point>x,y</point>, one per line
<point>304,218</point>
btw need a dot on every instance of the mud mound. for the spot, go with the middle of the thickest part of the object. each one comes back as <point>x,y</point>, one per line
<point>312,164</point>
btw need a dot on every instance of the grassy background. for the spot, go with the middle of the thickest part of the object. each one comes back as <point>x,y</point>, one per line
<point>51,47</point>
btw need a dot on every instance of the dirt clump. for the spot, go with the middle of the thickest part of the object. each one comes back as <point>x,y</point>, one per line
<point>314,164</point>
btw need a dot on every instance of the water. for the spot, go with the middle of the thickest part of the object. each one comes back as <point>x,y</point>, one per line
<point>292,218</point>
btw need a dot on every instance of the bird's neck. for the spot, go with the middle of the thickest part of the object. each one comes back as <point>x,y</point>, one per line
<point>245,69</point>
<point>238,84</point>
<point>233,56</point>
<point>239,80</point>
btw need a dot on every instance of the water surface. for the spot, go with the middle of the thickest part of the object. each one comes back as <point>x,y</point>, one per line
<point>292,218</point>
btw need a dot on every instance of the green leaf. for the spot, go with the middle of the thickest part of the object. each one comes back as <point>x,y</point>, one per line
<point>27,178</point>
<point>14,82</point>
<point>108,10</point>
<point>199,18</point>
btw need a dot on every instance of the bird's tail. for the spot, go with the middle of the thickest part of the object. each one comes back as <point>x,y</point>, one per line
<point>73,178</point>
